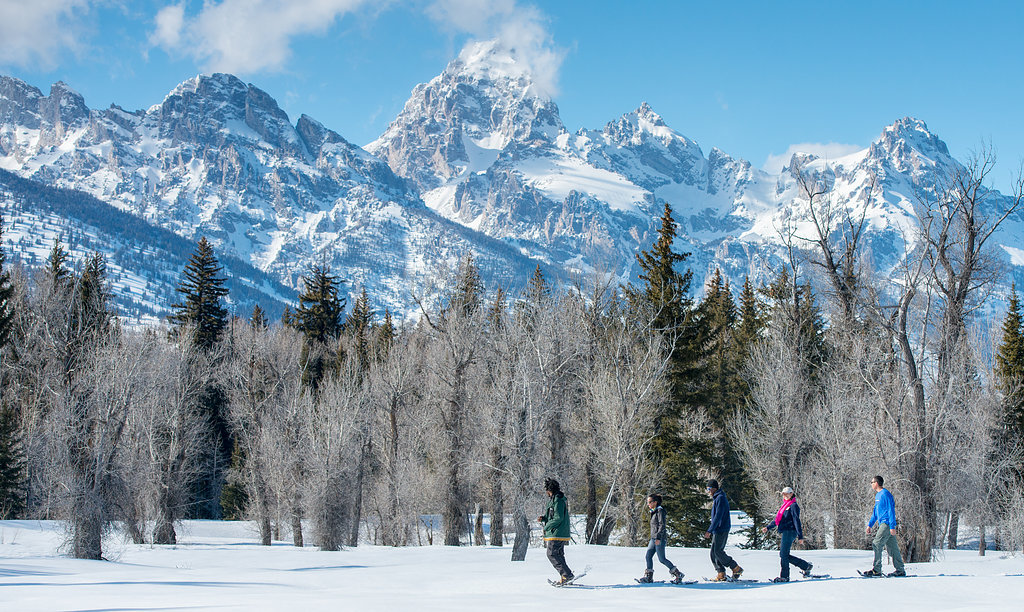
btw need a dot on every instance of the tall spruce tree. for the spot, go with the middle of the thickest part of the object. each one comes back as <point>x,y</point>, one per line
<point>57,265</point>
<point>12,465</point>
<point>359,326</point>
<point>469,289</point>
<point>202,289</point>
<point>12,457</point>
<point>93,307</point>
<point>258,318</point>
<point>664,293</point>
<point>1010,370</point>
<point>320,319</point>
<point>6,295</point>
<point>200,310</point>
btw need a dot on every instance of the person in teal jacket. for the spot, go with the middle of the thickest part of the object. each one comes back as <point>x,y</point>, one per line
<point>884,515</point>
<point>556,529</point>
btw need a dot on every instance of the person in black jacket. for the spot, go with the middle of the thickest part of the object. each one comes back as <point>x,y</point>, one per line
<point>657,543</point>
<point>718,531</point>
<point>787,522</point>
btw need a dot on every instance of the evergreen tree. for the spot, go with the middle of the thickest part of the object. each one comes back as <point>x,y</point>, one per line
<point>57,265</point>
<point>202,289</point>
<point>664,293</point>
<point>469,289</point>
<point>6,295</point>
<point>234,497</point>
<point>258,319</point>
<point>721,378</point>
<point>751,320</point>
<point>359,326</point>
<point>534,298</point>
<point>384,336</point>
<point>12,466</point>
<point>94,297</point>
<point>792,308</point>
<point>1010,368</point>
<point>320,319</point>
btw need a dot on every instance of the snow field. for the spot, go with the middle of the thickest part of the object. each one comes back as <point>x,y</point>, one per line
<point>219,566</point>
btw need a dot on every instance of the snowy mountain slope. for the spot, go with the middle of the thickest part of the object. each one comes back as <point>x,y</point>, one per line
<point>144,262</point>
<point>219,158</point>
<point>490,152</point>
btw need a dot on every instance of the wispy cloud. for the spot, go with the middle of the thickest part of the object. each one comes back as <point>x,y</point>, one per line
<point>244,36</point>
<point>831,150</point>
<point>519,27</point>
<point>33,33</point>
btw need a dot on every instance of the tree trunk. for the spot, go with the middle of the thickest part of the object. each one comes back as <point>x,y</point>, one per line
<point>263,515</point>
<point>478,527</point>
<point>163,532</point>
<point>522,541</point>
<point>953,535</point>
<point>453,514</point>
<point>982,544</point>
<point>87,531</point>
<point>357,503</point>
<point>296,526</point>
<point>604,531</point>
<point>591,503</point>
<point>497,515</point>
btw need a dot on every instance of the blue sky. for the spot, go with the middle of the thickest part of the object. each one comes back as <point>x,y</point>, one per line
<point>755,79</point>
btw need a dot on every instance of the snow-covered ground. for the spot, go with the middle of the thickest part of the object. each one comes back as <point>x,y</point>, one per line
<point>219,566</point>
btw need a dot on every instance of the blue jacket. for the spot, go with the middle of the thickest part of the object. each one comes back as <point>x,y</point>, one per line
<point>885,509</point>
<point>720,520</point>
<point>790,521</point>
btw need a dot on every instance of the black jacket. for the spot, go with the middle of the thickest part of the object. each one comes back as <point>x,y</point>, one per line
<point>657,523</point>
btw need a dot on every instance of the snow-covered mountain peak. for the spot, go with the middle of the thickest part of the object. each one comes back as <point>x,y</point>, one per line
<point>491,60</point>
<point>913,134</point>
<point>643,124</point>
<point>230,109</point>
<point>907,146</point>
<point>458,123</point>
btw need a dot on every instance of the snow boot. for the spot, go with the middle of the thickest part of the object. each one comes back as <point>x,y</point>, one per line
<point>677,576</point>
<point>648,577</point>
<point>566,579</point>
<point>871,573</point>
<point>780,579</point>
<point>720,577</point>
<point>737,571</point>
<point>807,572</point>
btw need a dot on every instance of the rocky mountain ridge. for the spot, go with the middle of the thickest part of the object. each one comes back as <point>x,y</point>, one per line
<point>477,161</point>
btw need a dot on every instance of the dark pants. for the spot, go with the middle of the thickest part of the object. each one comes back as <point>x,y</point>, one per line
<point>718,556</point>
<point>660,549</point>
<point>788,537</point>
<point>556,555</point>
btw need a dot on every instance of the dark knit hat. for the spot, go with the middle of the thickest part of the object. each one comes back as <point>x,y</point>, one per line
<point>712,484</point>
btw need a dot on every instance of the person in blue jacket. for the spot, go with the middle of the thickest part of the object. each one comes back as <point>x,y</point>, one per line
<point>787,522</point>
<point>718,531</point>
<point>884,516</point>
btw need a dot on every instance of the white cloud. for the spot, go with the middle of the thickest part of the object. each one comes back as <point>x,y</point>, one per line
<point>831,150</point>
<point>245,36</point>
<point>516,26</point>
<point>34,32</point>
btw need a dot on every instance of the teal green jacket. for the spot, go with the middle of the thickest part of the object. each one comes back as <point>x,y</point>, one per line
<point>556,519</point>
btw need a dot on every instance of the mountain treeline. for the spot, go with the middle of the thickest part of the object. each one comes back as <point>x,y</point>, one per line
<point>339,424</point>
